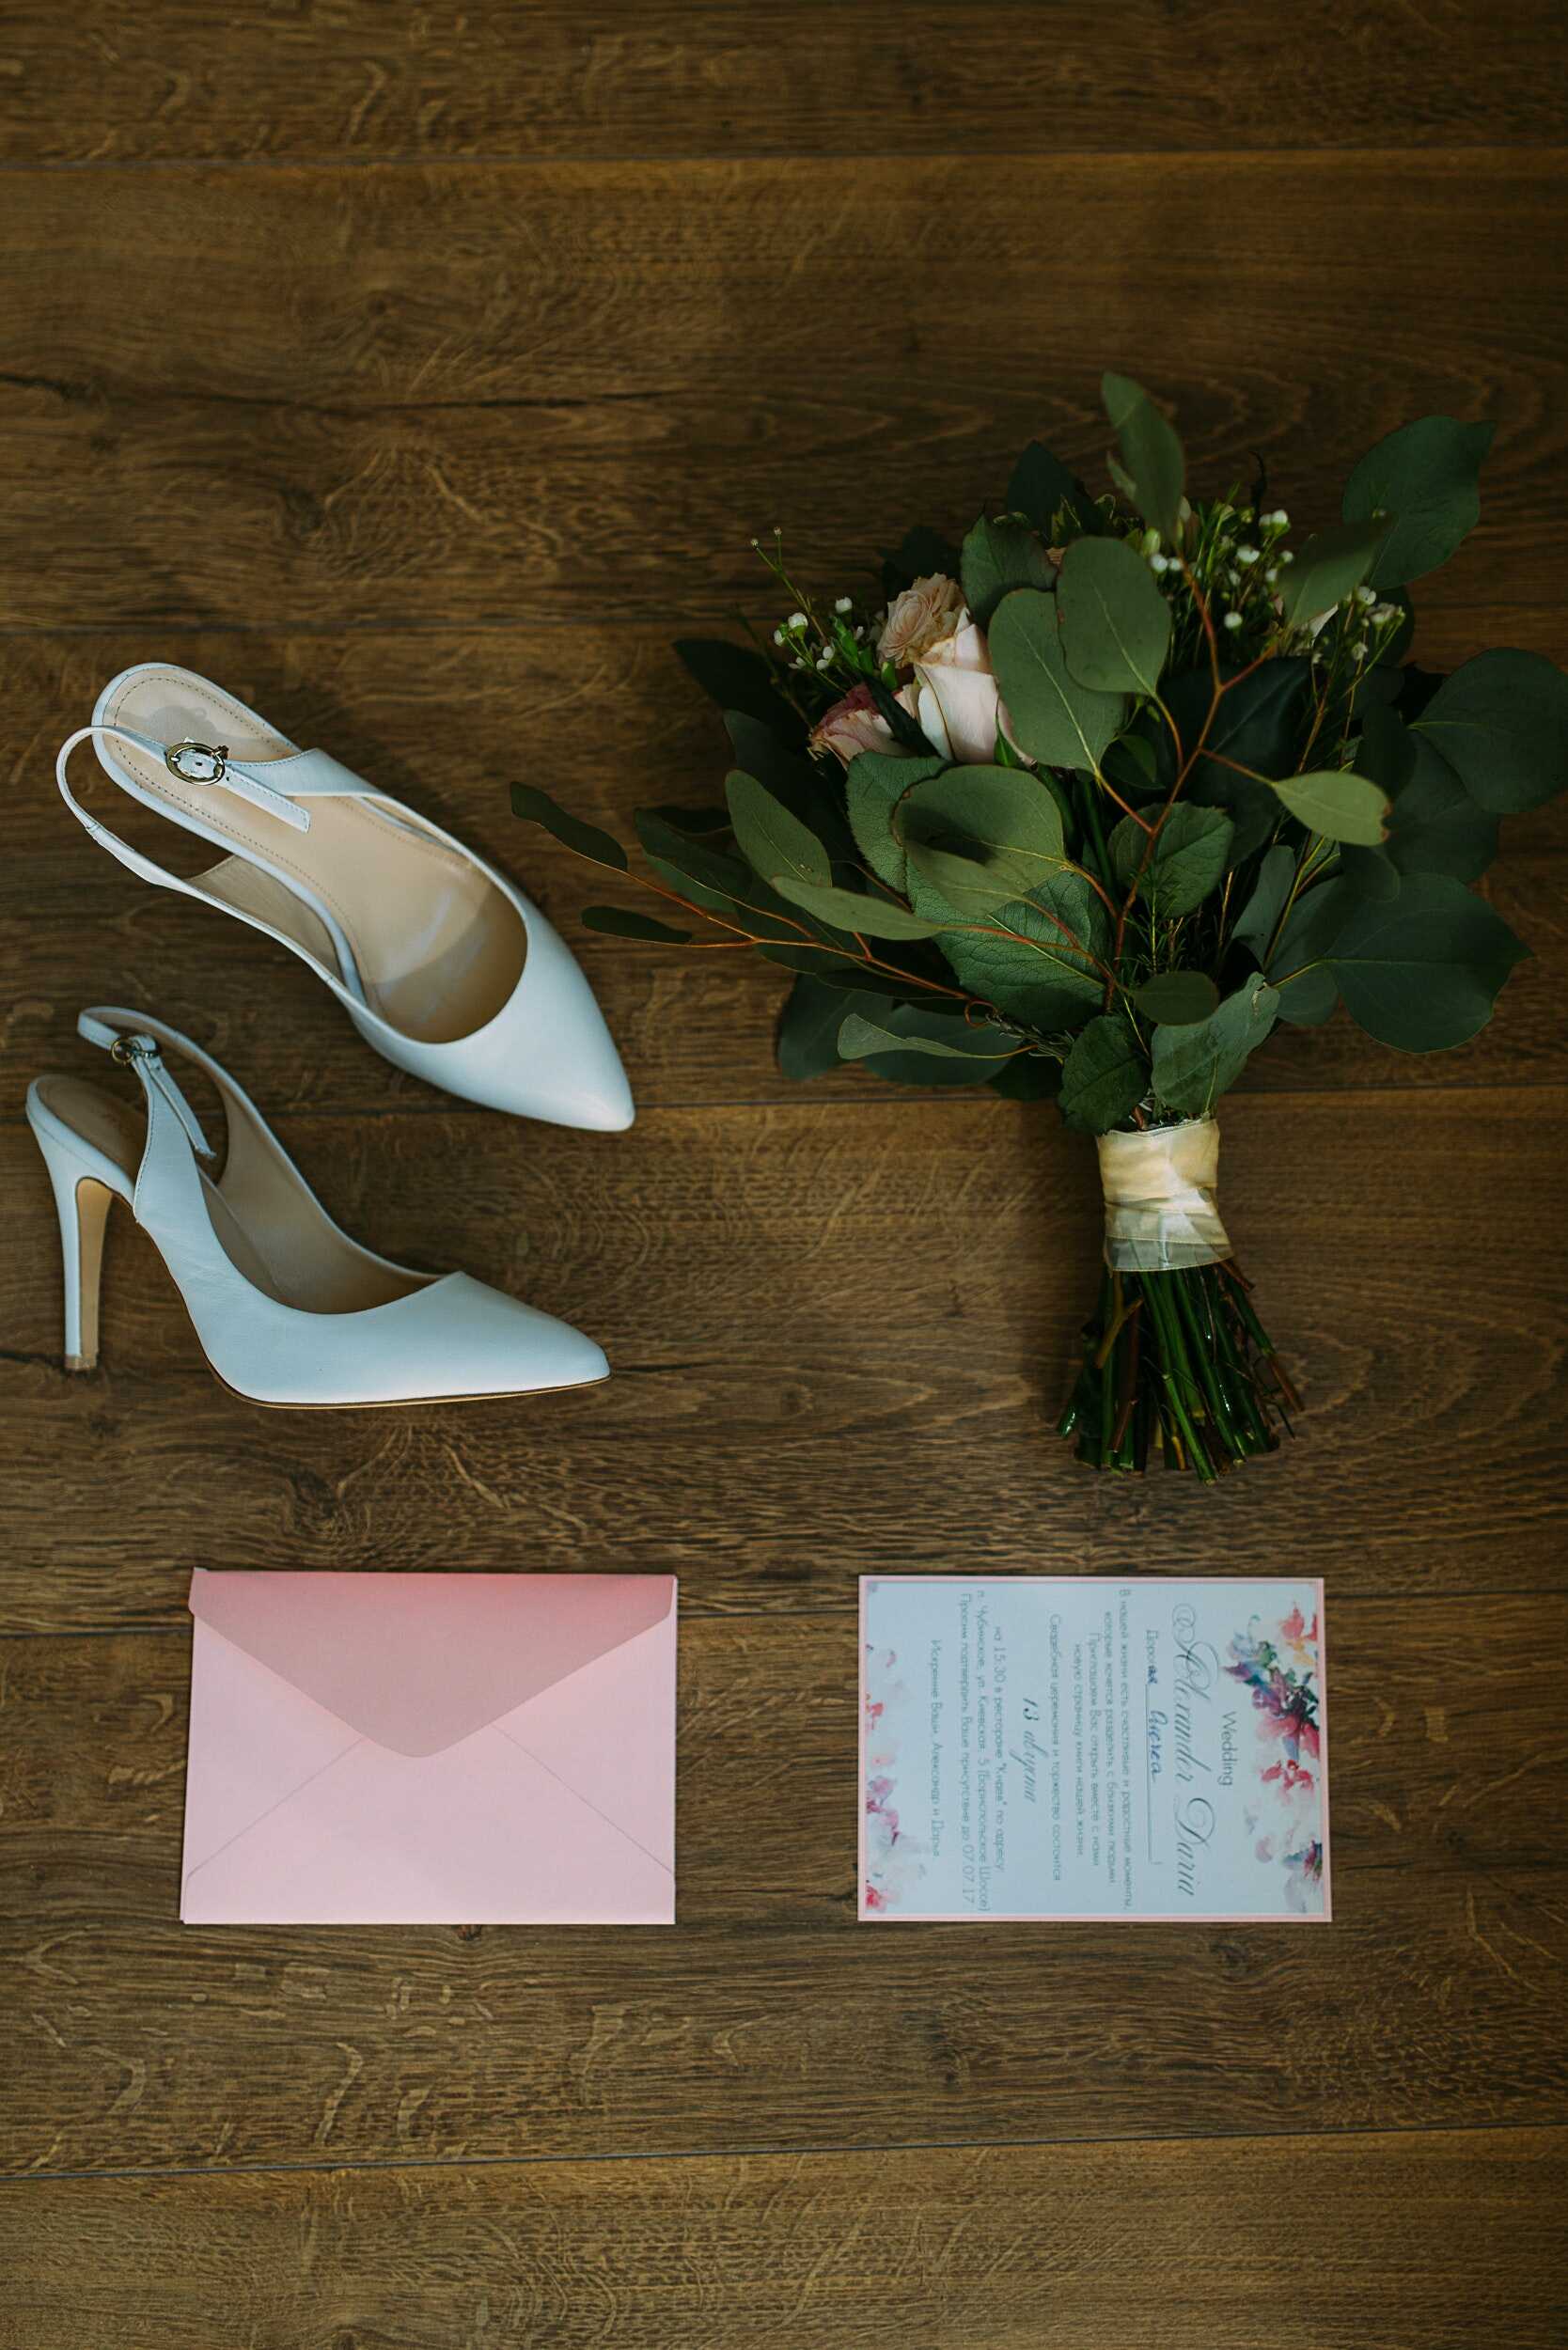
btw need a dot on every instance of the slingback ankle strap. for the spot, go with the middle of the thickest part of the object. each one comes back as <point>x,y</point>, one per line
<point>308,775</point>
<point>137,1048</point>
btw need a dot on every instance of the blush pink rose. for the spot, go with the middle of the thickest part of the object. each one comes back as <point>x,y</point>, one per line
<point>922,616</point>
<point>850,726</point>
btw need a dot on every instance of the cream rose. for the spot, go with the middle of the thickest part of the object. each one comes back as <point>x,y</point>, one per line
<point>922,616</point>
<point>957,702</point>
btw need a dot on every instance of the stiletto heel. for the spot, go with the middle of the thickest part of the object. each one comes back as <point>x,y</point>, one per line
<point>82,1204</point>
<point>443,967</point>
<point>288,1309</point>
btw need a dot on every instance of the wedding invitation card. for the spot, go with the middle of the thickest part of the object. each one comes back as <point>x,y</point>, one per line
<point>1034,1746</point>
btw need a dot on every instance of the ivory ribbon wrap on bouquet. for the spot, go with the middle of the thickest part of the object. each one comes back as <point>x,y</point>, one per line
<point>1159,1188</point>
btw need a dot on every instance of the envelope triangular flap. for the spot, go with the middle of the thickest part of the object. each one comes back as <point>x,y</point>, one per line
<point>418,1661</point>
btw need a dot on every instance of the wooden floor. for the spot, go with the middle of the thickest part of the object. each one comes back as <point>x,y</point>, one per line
<point>420,373</point>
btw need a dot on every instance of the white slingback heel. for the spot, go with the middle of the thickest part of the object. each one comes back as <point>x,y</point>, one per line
<point>442,965</point>
<point>288,1309</point>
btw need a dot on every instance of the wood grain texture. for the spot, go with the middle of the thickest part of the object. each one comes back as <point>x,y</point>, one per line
<point>480,398</point>
<point>420,374</point>
<point>357,82</point>
<point>1146,2247</point>
<point>839,1333</point>
<point>608,717</point>
<point>767,2018</point>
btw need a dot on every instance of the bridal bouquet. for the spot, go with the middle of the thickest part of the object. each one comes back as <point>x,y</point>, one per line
<point>1089,805</point>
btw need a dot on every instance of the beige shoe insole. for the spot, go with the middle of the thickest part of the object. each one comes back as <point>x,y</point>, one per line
<point>439,949</point>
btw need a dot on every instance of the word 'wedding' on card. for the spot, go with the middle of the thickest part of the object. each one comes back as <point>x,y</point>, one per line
<point>1078,1747</point>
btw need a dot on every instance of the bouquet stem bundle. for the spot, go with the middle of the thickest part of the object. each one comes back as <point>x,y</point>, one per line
<point>1177,1366</point>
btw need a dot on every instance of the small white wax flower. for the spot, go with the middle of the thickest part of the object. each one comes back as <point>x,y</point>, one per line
<point>1151,541</point>
<point>1233,620</point>
<point>1278,520</point>
<point>1383,613</point>
<point>1285,556</point>
<point>843,603</point>
<point>1272,574</point>
<point>1358,652</point>
<point>1159,563</point>
<point>1366,595</point>
<point>796,620</point>
<point>1247,554</point>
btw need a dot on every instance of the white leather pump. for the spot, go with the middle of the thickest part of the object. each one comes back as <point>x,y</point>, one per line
<point>442,965</point>
<point>289,1309</point>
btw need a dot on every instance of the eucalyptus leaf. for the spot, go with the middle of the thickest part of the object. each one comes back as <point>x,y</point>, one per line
<point>809,1026</point>
<point>774,844</point>
<point>1035,959</point>
<point>1029,1077</point>
<point>1424,972</point>
<point>1194,1066</point>
<point>687,863</point>
<point>1041,486</point>
<point>858,1036</point>
<point>797,782</point>
<point>1298,967</point>
<point>1260,917</point>
<point>1501,723</point>
<point>1370,874</point>
<point>1187,860</point>
<point>1151,452</point>
<point>738,679</point>
<point>1104,1077</point>
<point>1329,567</point>
<point>1000,556</point>
<point>926,1048</point>
<point>621,922</point>
<point>982,836</point>
<point>1176,1000</point>
<point>874,784</point>
<point>1340,804</point>
<point>922,552</point>
<point>1426,477</point>
<point>1259,725</point>
<point>872,917</point>
<point>537,807</point>
<point>1057,720</point>
<point>1437,826</point>
<point>1114,623</point>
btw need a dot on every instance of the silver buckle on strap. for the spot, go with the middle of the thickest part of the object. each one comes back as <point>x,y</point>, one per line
<point>208,761</point>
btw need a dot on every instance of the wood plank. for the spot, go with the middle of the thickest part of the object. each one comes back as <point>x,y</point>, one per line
<point>605,717</point>
<point>840,1339</point>
<point>356,82</point>
<point>1150,2247</point>
<point>490,397</point>
<point>767,2018</point>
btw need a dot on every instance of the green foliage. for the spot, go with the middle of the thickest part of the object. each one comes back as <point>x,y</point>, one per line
<point>1340,805</point>
<point>1115,622</point>
<point>1302,803</point>
<point>1185,862</point>
<point>1194,1065</point>
<point>537,807</point>
<point>998,557</point>
<point>1150,454</point>
<point>1426,477</point>
<point>1104,1077</point>
<point>1176,1000</point>
<point>1329,568</point>
<point>981,835</point>
<point>1057,720</point>
<point>1501,723</point>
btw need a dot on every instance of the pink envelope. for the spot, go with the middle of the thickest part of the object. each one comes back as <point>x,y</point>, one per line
<point>458,1749</point>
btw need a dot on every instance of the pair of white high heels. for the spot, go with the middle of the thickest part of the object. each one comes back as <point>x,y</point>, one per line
<point>443,966</point>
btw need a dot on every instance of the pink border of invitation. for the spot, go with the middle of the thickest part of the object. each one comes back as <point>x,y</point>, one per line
<point>1107,1918</point>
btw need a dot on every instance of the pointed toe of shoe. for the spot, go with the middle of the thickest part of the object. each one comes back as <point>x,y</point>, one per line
<point>497,1345</point>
